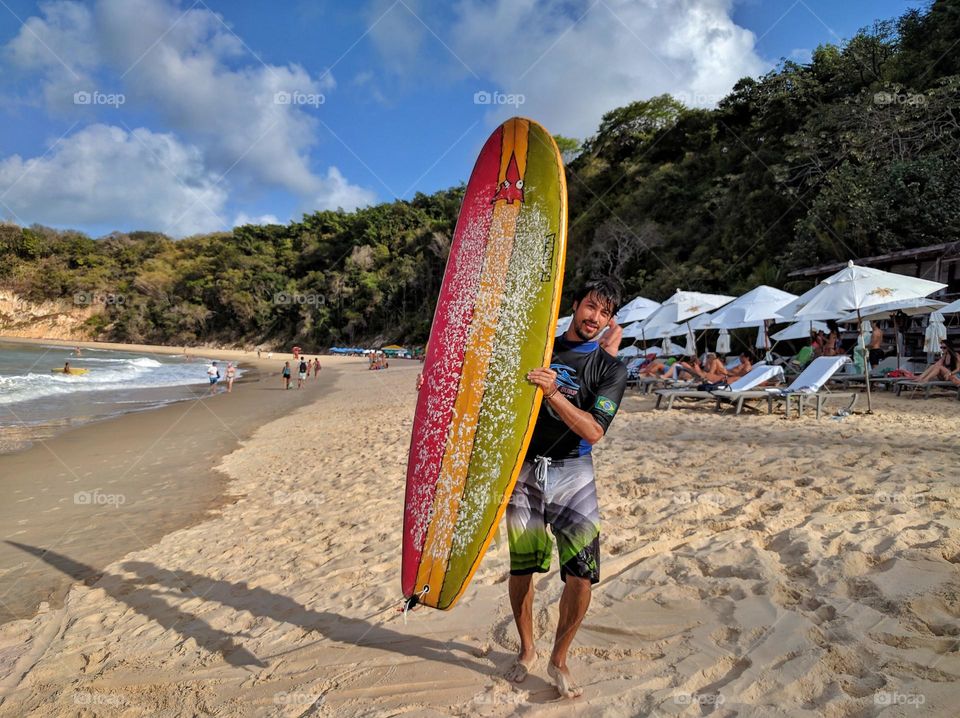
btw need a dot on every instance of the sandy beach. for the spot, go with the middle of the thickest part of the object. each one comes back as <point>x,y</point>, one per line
<point>751,566</point>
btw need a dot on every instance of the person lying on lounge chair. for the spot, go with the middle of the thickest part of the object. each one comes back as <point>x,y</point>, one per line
<point>741,369</point>
<point>945,368</point>
<point>712,370</point>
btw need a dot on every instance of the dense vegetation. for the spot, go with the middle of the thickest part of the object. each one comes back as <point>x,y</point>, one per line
<point>856,153</point>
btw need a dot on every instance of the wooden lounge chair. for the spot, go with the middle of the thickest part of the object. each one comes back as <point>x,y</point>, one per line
<point>915,386</point>
<point>735,394</point>
<point>807,388</point>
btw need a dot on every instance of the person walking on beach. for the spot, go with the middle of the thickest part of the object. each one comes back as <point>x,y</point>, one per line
<point>582,389</point>
<point>302,373</point>
<point>231,375</point>
<point>213,374</point>
<point>286,375</point>
<point>316,368</point>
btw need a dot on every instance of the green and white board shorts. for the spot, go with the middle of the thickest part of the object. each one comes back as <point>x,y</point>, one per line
<point>563,496</point>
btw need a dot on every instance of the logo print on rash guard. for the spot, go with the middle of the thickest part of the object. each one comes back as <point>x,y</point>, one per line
<point>566,377</point>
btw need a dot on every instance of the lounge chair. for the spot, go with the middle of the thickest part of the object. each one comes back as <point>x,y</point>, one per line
<point>807,388</point>
<point>760,374</point>
<point>927,386</point>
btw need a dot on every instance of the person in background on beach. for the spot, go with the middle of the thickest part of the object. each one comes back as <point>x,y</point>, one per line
<point>286,375</point>
<point>213,374</point>
<point>874,348</point>
<point>316,367</point>
<point>741,369</point>
<point>302,373</point>
<point>309,364</point>
<point>259,350</point>
<point>231,375</point>
<point>582,389</point>
<point>945,368</point>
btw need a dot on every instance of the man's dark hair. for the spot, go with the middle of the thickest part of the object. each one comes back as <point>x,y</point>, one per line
<point>607,290</point>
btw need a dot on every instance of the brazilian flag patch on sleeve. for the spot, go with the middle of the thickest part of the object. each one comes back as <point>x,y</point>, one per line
<point>607,406</point>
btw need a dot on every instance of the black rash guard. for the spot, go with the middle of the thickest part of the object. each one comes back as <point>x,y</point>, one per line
<point>594,382</point>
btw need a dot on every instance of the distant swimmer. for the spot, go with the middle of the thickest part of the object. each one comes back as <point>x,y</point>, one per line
<point>76,351</point>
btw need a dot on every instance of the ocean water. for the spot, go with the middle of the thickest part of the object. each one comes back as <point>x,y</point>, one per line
<point>37,403</point>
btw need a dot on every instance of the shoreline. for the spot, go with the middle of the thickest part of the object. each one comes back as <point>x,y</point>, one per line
<point>141,474</point>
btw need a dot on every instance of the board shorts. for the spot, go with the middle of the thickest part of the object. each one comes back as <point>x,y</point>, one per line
<point>563,496</point>
<point>302,375</point>
<point>214,379</point>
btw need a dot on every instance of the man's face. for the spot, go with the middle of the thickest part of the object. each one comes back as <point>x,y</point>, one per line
<point>590,317</point>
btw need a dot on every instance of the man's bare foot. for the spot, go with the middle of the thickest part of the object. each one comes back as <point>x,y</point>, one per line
<point>518,671</point>
<point>564,681</point>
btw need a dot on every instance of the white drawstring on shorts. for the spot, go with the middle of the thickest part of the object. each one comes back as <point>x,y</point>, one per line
<point>540,470</point>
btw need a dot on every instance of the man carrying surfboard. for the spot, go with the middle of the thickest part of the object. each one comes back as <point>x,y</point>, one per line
<point>582,389</point>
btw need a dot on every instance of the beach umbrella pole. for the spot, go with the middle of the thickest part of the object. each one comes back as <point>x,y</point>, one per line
<point>866,365</point>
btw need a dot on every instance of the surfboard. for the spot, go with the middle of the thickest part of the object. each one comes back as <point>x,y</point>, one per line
<point>494,321</point>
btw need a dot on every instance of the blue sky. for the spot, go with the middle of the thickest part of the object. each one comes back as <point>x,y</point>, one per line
<point>185,117</point>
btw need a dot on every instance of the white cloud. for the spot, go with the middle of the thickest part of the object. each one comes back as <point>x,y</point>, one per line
<point>104,175</point>
<point>243,218</point>
<point>186,67</point>
<point>575,61</point>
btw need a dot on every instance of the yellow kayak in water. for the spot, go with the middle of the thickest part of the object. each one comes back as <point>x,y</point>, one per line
<point>72,371</point>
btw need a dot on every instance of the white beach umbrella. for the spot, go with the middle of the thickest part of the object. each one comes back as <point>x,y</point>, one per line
<point>910,307</point>
<point>632,331</point>
<point>799,330</point>
<point>936,332</point>
<point>756,305</point>
<point>563,323</point>
<point>858,289</point>
<point>723,342</point>
<point>951,308</point>
<point>630,351</point>
<point>691,347</point>
<point>682,306</point>
<point>788,312</point>
<point>636,310</point>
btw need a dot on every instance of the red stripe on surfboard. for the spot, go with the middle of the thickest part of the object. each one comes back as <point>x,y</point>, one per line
<point>444,361</point>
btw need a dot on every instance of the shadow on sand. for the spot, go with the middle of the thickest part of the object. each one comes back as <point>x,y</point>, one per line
<point>148,592</point>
